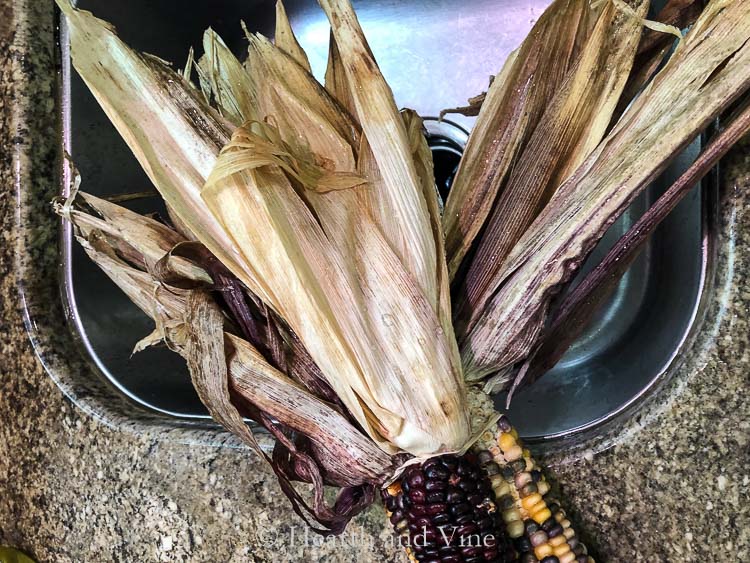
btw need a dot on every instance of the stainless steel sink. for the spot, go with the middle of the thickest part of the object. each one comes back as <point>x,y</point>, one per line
<point>435,54</point>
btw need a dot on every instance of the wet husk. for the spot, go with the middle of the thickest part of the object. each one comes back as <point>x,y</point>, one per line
<point>307,276</point>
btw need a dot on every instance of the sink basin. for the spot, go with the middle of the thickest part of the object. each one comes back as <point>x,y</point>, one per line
<point>435,54</point>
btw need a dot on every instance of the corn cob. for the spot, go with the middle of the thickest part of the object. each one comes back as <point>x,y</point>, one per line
<point>538,526</point>
<point>505,500</point>
<point>444,512</point>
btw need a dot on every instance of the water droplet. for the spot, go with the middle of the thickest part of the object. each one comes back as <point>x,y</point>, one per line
<point>388,319</point>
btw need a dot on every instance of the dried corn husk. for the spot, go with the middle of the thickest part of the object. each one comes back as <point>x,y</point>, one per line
<point>515,101</point>
<point>174,135</point>
<point>577,308</point>
<point>144,240</point>
<point>286,40</point>
<point>574,122</point>
<point>340,307</point>
<point>707,72</point>
<point>356,273</point>
<point>354,222</point>
<point>400,208</point>
<point>221,362</point>
<point>290,98</point>
<point>224,80</point>
<point>336,82</point>
<point>655,45</point>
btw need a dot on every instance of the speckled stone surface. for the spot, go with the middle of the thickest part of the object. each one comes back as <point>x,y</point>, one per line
<point>671,485</point>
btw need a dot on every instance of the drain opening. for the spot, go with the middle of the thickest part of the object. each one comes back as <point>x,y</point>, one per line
<point>446,141</point>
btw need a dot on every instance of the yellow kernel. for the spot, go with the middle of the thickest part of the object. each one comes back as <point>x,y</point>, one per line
<point>515,529</point>
<point>541,516</point>
<point>512,454</point>
<point>568,557</point>
<point>542,487</point>
<point>542,551</point>
<point>502,489</point>
<point>538,507</point>
<point>560,515</point>
<point>569,533</point>
<point>506,441</point>
<point>394,489</point>
<point>513,432</point>
<point>561,549</point>
<point>531,500</point>
<point>557,540</point>
<point>565,524</point>
<point>529,461</point>
<point>510,515</point>
<point>496,480</point>
<point>590,560</point>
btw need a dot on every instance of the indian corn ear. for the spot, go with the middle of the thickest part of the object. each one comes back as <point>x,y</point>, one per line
<point>537,524</point>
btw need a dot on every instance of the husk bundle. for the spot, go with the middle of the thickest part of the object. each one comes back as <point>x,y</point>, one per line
<point>307,280</point>
<point>350,271</point>
<point>228,372</point>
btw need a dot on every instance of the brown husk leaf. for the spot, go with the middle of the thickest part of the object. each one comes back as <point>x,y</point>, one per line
<point>355,271</point>
<point>222,363</point>
<point>705,75</point>
<point>578,307</point>
<point>571,126</point>
<point>515,102</point>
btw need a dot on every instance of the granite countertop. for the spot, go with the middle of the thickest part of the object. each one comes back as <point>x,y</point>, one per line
<point>672,485</point>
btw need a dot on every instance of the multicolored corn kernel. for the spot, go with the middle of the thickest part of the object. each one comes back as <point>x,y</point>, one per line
<point>444,511</point>
<point>538,526</point>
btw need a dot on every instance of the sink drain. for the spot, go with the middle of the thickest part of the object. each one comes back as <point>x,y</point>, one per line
<point>447,141</point>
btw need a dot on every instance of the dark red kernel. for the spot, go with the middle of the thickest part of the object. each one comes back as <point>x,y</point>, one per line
<point>417,496</point>
<point>434,485</point>
<point>434,509</point>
